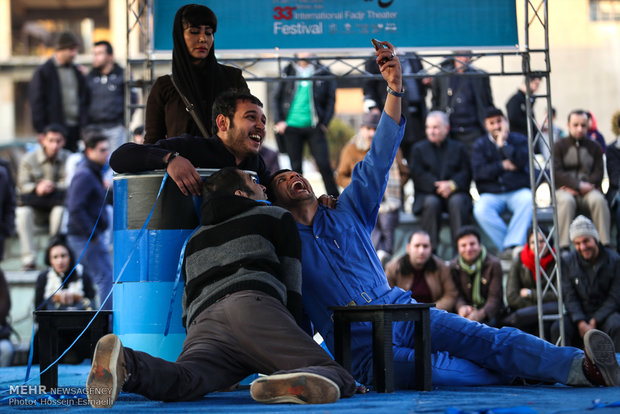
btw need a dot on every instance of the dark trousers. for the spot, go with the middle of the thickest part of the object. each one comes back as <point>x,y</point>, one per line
<point>458,206</point>
<point>295,139</point>
<point>73,136</point>
<point>247,332</point>
<point>382,235</point>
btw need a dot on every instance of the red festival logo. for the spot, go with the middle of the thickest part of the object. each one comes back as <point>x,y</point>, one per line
<point>285,13</point>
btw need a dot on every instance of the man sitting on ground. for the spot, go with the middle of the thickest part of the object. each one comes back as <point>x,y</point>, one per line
<point>241,309</point>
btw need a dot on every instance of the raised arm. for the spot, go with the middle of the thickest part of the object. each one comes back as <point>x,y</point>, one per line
<point>392,73</point>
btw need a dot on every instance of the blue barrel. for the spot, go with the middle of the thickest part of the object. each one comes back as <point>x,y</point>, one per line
<point>142,296</point>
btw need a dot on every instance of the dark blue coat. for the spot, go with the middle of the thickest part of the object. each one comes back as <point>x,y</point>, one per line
<point>84,200</point>
<point>486,163</point>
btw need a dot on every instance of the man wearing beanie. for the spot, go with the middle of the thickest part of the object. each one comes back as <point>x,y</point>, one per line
<point>590,285</point>
<point>58,92</point>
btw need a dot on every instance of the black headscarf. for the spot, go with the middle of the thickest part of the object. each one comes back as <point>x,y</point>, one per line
<point>199,83</point>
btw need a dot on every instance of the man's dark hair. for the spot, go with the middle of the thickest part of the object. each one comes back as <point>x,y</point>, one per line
<point>493,112</point>
<point>422,232</point>
<point>271,187</point>
<point>108,47</point>
<point>580,112</point>
<point>58,128</point>
<point>93,138</point>
<point>467,231</point>
<point>228,180</point>
<point>226,104</point>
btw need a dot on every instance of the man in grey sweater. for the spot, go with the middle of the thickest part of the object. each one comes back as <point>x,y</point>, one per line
<point>241,309</point>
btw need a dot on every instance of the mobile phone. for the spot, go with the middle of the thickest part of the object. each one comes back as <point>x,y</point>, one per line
<point>378,46</point>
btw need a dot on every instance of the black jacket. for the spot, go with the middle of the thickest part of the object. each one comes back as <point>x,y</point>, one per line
<point>107,103</point>
<point>430,163</point>
<point>46,98</point>
<point>443,96</point>
<point>585,299</point>
<point>201,152</point>
<point>323,95</point>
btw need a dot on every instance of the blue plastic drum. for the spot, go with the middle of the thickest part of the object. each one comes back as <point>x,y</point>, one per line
<point>142,296</point>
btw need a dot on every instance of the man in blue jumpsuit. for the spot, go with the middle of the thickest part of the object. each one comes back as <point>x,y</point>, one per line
<point>340,267</point>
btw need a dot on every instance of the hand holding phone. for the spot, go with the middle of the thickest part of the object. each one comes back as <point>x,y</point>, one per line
<point>378,46</point>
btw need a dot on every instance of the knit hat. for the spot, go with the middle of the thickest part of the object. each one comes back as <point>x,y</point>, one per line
<point>582,226</point>
<point>371,119</point>
<point>67,40</point>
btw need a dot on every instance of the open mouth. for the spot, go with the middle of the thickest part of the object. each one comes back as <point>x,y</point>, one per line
<point>298,186</point>
<point>256,138</point>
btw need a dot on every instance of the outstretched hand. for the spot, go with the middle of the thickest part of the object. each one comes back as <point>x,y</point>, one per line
<point>389,65</point>
<point>185,175</point>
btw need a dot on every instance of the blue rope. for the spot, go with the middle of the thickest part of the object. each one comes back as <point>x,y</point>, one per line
<point>140,235</point>
<point>30,352</point>
<point>176,280</point>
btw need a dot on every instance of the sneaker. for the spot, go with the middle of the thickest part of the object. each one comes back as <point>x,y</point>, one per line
<point>295,388</point>
<point>107,372</point>
<point>600,365</point>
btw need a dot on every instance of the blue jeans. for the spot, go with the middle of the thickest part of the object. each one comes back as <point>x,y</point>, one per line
<point>97,264</point>
<point>465,352</point>
<point>489,208</point>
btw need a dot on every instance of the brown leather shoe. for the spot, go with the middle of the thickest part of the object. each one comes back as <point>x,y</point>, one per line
<point>295,388</point>
<point>600,365</point>
<point>108,372</point>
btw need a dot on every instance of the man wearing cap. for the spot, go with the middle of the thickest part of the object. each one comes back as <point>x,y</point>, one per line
<point>441,177</point>
<point>355,151</point>
<point>590,285</point>
<point>500,167</point>
<point>58,92</point>
<point>579,169</point>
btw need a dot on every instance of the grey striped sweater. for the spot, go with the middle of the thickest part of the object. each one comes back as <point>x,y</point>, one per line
<point>242,245</point>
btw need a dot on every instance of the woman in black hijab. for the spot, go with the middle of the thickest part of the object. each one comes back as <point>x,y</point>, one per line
<point>197,75</point>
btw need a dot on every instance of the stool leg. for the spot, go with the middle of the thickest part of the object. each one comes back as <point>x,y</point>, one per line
<point>422,348</point>
<point>342,342</point>
<point>383,355</point>
<point>48,352</point>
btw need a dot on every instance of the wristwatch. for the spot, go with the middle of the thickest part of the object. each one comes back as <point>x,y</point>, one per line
<point>393,92</point>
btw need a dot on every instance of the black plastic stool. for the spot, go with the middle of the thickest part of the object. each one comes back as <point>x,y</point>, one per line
<point>382,317</point>
<point>50,325</point>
